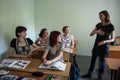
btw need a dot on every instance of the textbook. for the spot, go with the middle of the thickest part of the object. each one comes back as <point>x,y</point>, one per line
<point>13,63</point>
<point>58,65</point>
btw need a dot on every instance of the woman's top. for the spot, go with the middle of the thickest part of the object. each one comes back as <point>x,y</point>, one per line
<point>41,42</point>
<point>67,43</point>
<point>21,50</point>
<point>53,53</point>
<point>103,50</point>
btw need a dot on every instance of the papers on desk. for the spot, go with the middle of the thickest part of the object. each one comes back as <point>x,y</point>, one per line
<point>69,50</point>
<point>55,66</point>
<point>14,77</point>
<point>13,63</point>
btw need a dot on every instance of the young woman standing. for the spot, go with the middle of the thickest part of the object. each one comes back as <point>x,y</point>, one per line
<point>104,35</point>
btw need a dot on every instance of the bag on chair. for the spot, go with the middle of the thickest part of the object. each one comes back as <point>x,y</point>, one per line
<point>74,71</point>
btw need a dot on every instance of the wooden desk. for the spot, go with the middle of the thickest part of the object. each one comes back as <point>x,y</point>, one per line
<point>33,66</point>
<point>75,50</point>
<point>113,65</point>
<point>41,49</point>
<point>27,74</point>
<point>114,52</point>
<point>37,54</point>
<point>114,48</point>
<point>69,56</point>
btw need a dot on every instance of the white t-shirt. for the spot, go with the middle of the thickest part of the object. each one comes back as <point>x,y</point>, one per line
<point>67,42</point>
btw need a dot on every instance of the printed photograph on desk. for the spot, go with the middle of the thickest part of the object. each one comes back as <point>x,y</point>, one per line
<point>6,62</point>
<point>14,77</point>
<point>13,63</point>
<point>20,64</point>
<point>8,77</point>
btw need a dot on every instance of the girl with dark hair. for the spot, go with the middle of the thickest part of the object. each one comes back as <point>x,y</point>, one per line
<point>21,44</point>
<point>67,38</point>
<point>54,49</point>
<point>43,38</point>
<point>105,34</point>
<point>68,43</point>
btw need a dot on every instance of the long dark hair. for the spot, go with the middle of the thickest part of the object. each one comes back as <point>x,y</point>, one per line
<point>53,38</point>
<point>107,16</point>
<point>42,32</point>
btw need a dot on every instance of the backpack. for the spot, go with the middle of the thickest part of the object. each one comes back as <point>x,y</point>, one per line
<point>74,71</point>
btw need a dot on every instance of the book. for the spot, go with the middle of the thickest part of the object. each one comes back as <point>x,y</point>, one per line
<point>14,77</point>
<point>13,63</point>
<point>58,65</point>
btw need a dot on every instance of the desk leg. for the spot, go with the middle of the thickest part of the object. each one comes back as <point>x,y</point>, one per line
<point>114,75</point>
<point>111,74</point>
<point>65,78</point>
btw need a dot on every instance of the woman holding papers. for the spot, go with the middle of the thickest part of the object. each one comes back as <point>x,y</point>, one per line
<point>54,49</point>
<point>21,45</point>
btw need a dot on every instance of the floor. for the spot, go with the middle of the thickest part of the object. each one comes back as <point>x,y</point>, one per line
<point>84,62</point>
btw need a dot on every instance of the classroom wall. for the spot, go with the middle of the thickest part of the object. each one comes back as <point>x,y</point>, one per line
<point>80,15</point>
<point>14,13</point>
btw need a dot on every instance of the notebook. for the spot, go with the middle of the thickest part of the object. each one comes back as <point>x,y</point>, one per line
<point>58,65</point>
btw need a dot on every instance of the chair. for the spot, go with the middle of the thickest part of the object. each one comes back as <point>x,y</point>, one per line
<point>68,57</point>
<point>37,54</point>
<point>76,43</point>
<point>117,40</point>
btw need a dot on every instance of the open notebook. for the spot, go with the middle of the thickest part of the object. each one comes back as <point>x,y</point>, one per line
<point>13,63</point>
<point>58,65</point>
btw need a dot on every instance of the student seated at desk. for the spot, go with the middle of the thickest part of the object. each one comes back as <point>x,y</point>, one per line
<point>68,44</point>
<point>43,38</point>
<point>54,50</point>
<point>67,39</point>
<point>21,44</point>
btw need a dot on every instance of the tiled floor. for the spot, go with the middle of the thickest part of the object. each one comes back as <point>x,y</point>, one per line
<point>84,62</point>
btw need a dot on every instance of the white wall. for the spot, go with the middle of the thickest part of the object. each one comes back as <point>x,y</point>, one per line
<point>14,13</point>
<point>80,15</point>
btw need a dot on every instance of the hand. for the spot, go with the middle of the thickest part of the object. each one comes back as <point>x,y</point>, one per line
<point>100,32</point>
<point>101,43</point>
<point>47,62</point>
